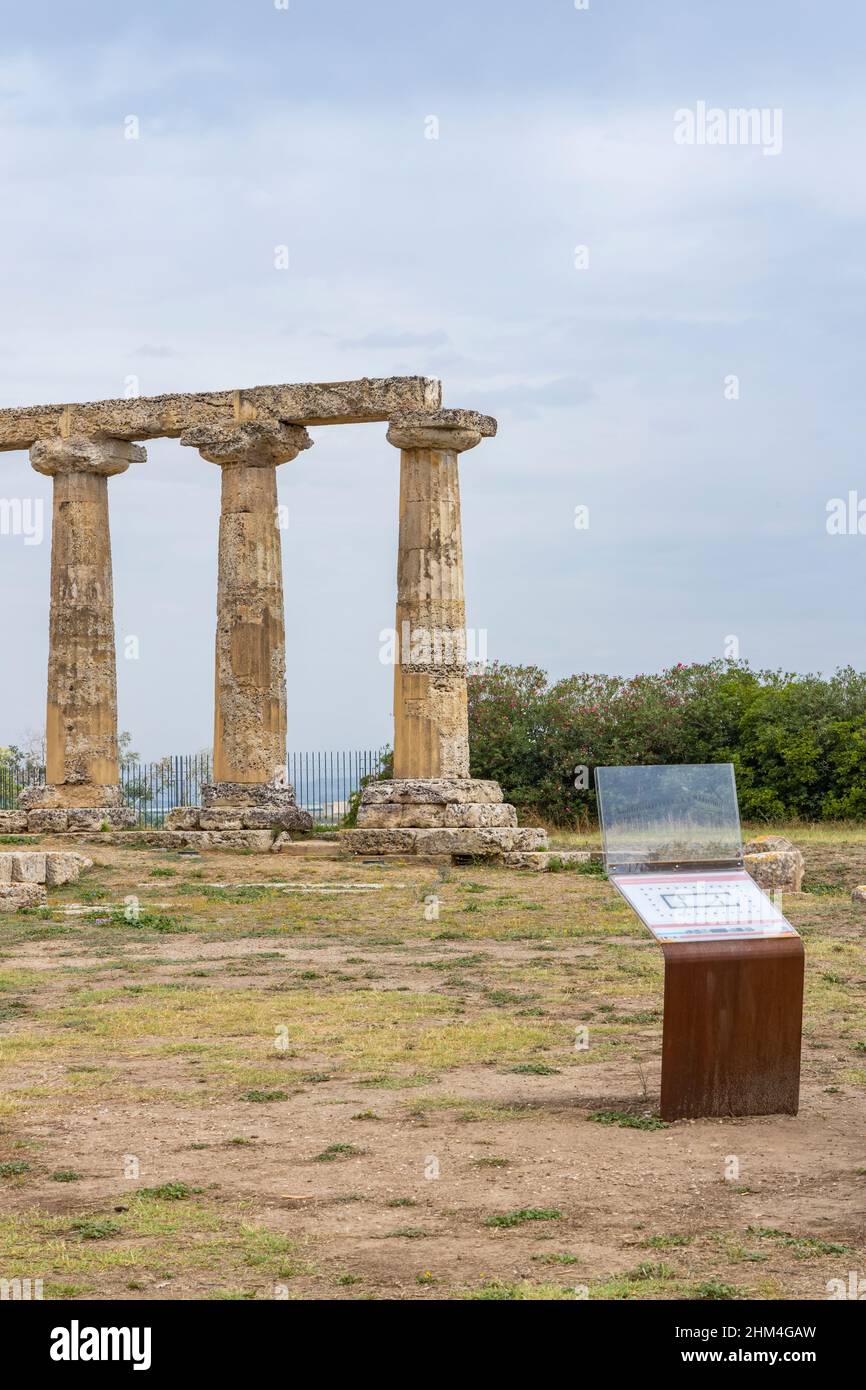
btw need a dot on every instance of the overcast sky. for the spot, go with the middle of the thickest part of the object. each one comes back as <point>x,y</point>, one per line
<point>308,127</point>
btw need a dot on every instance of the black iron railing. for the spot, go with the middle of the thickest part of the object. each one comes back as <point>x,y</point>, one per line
<point>324,782</point>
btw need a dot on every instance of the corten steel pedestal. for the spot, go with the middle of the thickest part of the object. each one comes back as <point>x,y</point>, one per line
<point>733,1013</point>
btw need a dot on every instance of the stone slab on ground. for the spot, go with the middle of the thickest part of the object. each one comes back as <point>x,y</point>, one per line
<point>541,860</point>
<point>308,849</point>
<point>258,840</point>
<point>17,895</point>
<point>482,841</point>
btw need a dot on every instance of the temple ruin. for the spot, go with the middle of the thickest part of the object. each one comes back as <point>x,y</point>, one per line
<point>432,805</point>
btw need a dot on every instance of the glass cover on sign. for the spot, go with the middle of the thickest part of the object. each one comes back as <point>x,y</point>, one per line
<point>682,814</point>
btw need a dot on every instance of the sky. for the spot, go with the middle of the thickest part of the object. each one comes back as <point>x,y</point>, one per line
<point>669,330</point>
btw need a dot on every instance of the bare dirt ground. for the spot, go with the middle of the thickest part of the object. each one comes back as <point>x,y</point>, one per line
<point>323,1089</point>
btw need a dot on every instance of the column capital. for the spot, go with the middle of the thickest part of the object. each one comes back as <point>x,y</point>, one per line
<point>78,453</point>
<point>255,444</point>
<point>453,431</point>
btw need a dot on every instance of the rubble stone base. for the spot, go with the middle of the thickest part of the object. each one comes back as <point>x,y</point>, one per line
<point>550,859</point>
<point>261,841</point>
<point>439,816</point>
<point>265,817</point>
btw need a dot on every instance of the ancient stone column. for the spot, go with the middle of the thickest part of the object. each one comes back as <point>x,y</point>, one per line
<point>432,805</point>
<point>431,732</point>
<point>249,788</point>
<point>82,788</point>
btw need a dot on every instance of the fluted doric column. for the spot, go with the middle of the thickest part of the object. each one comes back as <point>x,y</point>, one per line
<point>432,805</point>
<point>249,767</point>
<point>431,734</point>
<point>82,772</point>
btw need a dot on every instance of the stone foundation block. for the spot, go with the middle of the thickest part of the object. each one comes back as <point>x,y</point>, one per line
<point>541,861</point>
<point>379,841</point>
<point>64,867</point>
<point>47,822</point>
<point>28,867</point>
<point>308,849</point>
<point>774,862</point>
<point>438,790</point>
<point>219,820</point>
<point>183,818</point>
<point>490,840</point>
<point>493,840</point>
<point>69,795</point>
<point>275,817</point>
<point>5,868</point>
<point>16,895</point>
<point>12,822</point>
<point>474,815</point>
<point>228,795</point>
<point>393,815</point>
<point>260,840</point>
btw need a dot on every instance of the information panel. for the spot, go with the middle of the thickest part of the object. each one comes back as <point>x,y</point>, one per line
<point>702,906</point>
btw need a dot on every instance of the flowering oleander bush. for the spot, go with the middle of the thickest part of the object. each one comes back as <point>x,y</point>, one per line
<point>797,742</point>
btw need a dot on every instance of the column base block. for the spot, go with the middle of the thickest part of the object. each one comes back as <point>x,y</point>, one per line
<point>71,796</point>
<point>275,816</point>
<point>456,816</point>
<point>79,819</point>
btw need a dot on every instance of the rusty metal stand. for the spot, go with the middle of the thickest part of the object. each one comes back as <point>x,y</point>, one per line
<point>733,1015</point>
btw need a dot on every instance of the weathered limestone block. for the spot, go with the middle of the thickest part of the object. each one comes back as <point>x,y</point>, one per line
<point>12,822</point>
<point>438,790</point>
<point>17,895</point>
<point>541,861</point>
<point>183,818</point>
<point>28,866</point>
<point>392,815</point>
<point>47,822</point>
<point>483,841</point>
<point>308,849</point>
<point>227,796</point>
<point>5,868</point>
<point>80,818</point>
<point>478,814</point>
<point>774,862</point>
<point>380,841</point>
<point>859,893</point>
<point>152,417</point>
<point>277,818</point>
<point>259,840</point>
<point>219,820</point>
<point>64,867</point>
<point>82,796</point>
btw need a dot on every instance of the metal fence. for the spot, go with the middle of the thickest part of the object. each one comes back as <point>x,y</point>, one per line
<point>324,782</point>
